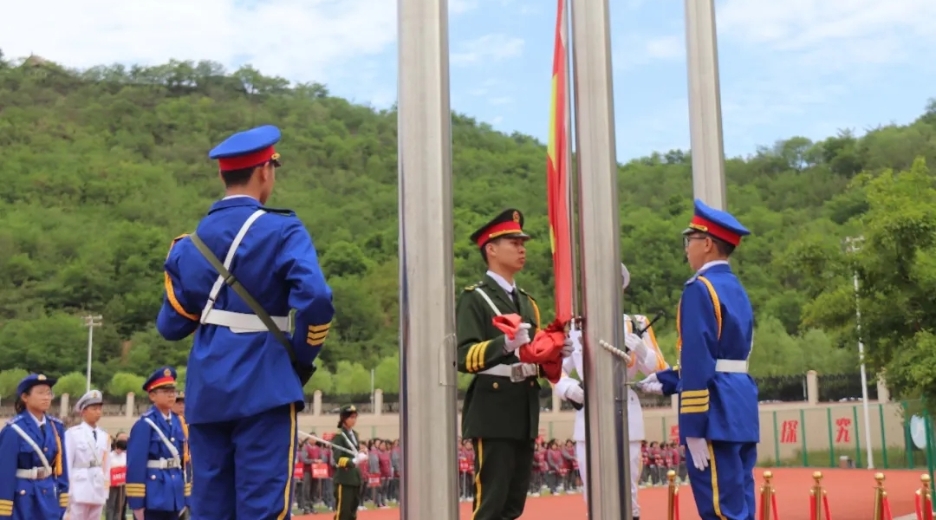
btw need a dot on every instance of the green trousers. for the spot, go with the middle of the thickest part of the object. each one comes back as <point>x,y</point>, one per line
<point>503,468</point>
<point>347,501</point>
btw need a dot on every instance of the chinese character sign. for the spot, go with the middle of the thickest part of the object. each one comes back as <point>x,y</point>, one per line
<point>674,433</point>
<point>788,432</point>
<point>843,430</point>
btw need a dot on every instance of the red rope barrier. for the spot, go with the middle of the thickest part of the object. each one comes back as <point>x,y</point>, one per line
<point>812,507</point>
<point>825,507</point>
<point>885,504</point>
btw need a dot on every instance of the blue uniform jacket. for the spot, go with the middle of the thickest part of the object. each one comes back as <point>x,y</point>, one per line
<point>152,488</point>
<point>715,321</point>
<point>247,373</point>
<point>26,499</point>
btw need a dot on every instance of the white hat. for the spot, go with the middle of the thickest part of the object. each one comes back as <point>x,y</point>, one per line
<point>625,275</point>
<point>91,398</point>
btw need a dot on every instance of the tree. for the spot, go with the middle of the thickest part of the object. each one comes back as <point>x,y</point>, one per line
<point>322,380</point>
<point>387,374</point>
<point>351,379</point>
<point>9,380</point>
<point>123,383</point>
<point>75,384</point>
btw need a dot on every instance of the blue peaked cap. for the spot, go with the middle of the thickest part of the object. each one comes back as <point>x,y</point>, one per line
<point>248,141</point>
<point>34,380</point>
<point>163,376</point>
<point>717,223</point>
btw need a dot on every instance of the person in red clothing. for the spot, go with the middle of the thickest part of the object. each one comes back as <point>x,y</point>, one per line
<point>568,466</point>
<point>555,464</point>
<point>386,470</point>
<point>539,470</point>
<point>464,481</point>
<point>644,463</point>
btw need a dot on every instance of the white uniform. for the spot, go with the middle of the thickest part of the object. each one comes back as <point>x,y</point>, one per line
<point>88,463</point>
<point>649,363</point>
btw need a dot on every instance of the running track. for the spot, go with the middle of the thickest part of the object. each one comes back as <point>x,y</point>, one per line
<point>850,492</point>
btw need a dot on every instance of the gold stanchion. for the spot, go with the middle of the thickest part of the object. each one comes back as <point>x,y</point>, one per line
<point>767,497</point>
<point>924,499</point>
<point>879,495</point>
<point>816,495</point>
<point>672,506</point>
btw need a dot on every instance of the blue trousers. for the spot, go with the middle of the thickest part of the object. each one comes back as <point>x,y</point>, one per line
<point>243,469</point>
<point>725,489</point>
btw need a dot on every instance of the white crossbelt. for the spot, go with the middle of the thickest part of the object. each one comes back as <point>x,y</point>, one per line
<point>516,372</point>
<point>238,322</point>
<point>34,473</point>
<point>731,366</point>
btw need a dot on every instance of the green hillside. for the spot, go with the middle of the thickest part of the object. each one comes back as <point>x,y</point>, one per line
<point>102,168</point>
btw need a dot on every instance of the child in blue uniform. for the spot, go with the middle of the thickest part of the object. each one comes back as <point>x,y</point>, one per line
<point>718,417</point>
<point>155,451</point>
<point>33,476</point>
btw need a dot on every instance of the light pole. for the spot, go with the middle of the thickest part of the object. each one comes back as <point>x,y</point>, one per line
<point>91,321</point>
<point>852,244</point>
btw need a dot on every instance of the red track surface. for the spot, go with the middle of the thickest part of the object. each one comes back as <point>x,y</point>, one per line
<point>850,492</point>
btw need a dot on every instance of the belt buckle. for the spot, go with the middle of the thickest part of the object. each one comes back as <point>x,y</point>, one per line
<point>519,372</point>
<point>42,473</point>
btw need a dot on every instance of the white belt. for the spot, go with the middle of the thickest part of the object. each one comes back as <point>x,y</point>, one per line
<point>34,473</point>
<point>734,366</point>
<point>516,372</point>
<point>240,323</point>
<point>164,464</point>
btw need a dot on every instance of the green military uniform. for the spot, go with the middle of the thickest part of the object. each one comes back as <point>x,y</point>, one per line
<point>347,479</point>
<point>500,413</point>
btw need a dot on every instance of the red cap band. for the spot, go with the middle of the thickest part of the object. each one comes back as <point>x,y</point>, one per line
<point>707,226</point>
<point>163,381</point>
<point>240,162</point>
<point>498,230</point>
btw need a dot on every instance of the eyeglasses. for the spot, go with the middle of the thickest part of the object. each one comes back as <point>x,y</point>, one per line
<point>689,238</point>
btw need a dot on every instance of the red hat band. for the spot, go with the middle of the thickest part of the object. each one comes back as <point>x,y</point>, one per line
<point>498,230</point>
<point>707,226</point>
<point>240,162</point>
<point>163,381</point>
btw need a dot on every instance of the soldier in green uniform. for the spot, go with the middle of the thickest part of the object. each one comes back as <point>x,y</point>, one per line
<point>501,409</point>
<point>347,479</point>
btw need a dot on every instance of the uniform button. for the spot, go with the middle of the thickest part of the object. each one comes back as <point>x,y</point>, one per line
<point>495,386</point>
<point>172,439</point>
<point>152,477</point>
<point>531,383</point>
<point>22,492</point>
<point>45,449</point>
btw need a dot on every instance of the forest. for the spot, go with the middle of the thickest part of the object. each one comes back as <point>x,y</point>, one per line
<point>102,167</point>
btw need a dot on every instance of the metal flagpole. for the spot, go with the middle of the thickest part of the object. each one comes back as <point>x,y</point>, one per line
<point>608,498</point>
<point>571,175</point>
<point>705,124</point>
<point>852,244</point>
<point>427,281</point>
<point>91,321</point>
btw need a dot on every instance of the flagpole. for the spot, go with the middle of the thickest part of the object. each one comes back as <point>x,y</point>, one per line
<point>610,493</point>
<point>571,174</point>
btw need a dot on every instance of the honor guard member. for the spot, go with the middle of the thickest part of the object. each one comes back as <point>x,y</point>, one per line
<point>178,408</point>
<point>88,449</point>
<point>33,475</point>
<point>501,409</point>
<point>645,358</point>
<point>155,481</point>
<point>348,479</point>
<point>718,418</point>
<point>262,315</point>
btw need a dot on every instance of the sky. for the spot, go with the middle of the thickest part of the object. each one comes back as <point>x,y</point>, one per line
<point>793,68</point>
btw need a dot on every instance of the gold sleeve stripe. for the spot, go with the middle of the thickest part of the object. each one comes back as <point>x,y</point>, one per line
<point>694,409</point>
<point>135,485</point>
<point>6,503</point>
<point>170,295</point>
<point>694,401</point>
<point>319,328</point>
<point>316,338</point>
<point>474,360</point>
<point>689,394</point>
<point>135,493</point>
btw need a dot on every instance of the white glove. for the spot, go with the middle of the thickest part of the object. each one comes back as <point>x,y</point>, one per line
<point>651,385</point>
<point>636,345</point>
<point>520,339</point>
<point>568,346</point>
<point>576,394</point>
<point>360,458</point>
<point>698,449</point>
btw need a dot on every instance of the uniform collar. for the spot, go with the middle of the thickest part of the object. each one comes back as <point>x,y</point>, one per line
<point>39,421</point>
<point>502,282</point>
<point>235,201</point>
<point>714,263</point>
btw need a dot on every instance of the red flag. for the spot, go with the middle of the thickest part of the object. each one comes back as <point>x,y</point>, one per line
<point>557,181</point>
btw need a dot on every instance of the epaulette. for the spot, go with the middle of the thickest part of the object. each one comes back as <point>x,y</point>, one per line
<point>474,286</point>
<point>694,278</point>
<point>15,419</point>
<point>530,296</point>
<point>279,211</point>
<point>148,413</point>
<point>56,420</point>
